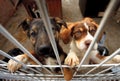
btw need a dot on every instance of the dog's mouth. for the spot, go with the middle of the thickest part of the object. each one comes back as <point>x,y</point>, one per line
<point>45,53</point>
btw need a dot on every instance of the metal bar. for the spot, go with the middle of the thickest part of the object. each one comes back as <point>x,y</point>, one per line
<point>59,76</point>
<point>108,69</point>
<point>15,42</point>
<point>5,64</point>
<point>2,62</point>
<point>8,56</point>
<point>102,23</point>
<point>15,77</point>
<point>44,14</point>
<point>111,56</point>
<point>3,69</point>
<point>53,66</point>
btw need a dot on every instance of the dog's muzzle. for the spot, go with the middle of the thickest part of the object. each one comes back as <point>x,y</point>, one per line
<point>44,49</point>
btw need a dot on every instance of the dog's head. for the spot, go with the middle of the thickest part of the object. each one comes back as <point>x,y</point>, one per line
<point>37,33</point>
<point>81,33</point>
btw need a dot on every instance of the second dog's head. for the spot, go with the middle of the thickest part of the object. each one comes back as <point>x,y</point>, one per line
<point>81,33</point>
<point>37,33</point>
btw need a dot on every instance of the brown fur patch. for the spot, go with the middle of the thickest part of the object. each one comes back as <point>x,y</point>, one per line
<point>100,56</point>
<point>65,33</point>
<point>79,31</point>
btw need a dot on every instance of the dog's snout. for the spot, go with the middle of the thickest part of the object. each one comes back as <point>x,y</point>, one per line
<point>44,49</point>
<point>87,42</point>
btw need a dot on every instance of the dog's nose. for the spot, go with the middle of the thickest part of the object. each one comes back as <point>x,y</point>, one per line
<point>44,49</point>
<point>87,42</point>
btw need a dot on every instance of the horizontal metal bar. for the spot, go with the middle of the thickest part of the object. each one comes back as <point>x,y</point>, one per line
<point>114,66</point>
<point>4,32</point>
<point>102,23</point>
<point>53,66</point>
<point>22,77</point>
<point>5,64</point>
<point>110,68</point>
<point>8,56</point>
<point>60,76</point>
<point>111,56</point>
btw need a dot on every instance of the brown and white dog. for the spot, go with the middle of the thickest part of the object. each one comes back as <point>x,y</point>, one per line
<point>80,35</point>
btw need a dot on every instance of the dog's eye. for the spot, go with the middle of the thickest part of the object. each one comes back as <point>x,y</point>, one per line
<point>53,29</point>
<point>77,34</point>
<point>33,33</point>
<point>92,32</point>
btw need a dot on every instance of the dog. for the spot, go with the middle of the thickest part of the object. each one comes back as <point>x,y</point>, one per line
<point>80,35</point>
<point>43,51</point>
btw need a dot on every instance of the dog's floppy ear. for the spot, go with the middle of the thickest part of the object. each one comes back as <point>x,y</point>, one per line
<point>60,23</point>
<point>25,24</point>
<point>65,33</point>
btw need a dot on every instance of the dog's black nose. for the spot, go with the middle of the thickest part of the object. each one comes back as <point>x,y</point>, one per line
<point>87,42</point>
<point>44,49</point>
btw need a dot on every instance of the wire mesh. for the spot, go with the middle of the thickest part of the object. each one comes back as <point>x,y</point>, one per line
<point>33,72</point>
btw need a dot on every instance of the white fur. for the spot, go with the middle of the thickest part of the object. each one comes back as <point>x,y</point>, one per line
<point>85,24</point>
<point>50,61</point>
<point>81,44</point>
<point>13,65</point>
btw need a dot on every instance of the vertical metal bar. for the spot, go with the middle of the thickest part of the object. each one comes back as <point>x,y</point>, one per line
<point>102,23</point>
<point>44,14</point>
<point>15,42</point>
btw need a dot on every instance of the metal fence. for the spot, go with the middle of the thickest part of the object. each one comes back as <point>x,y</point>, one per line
<point>28,73</point>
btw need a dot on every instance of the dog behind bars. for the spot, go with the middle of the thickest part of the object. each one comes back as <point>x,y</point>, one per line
<point>43,51</point>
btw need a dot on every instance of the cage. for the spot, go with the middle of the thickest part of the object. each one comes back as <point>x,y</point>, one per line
<point>33,72</point>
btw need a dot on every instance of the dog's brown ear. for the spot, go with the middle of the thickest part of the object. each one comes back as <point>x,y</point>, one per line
<point>25,24</point>
<point>65,33</point>
<point>60,22</point>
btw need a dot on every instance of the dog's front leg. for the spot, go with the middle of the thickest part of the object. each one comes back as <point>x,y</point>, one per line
<point>96,58</point>
<point>72,59</point>
<point>114,60</point>
<point>68,73</point>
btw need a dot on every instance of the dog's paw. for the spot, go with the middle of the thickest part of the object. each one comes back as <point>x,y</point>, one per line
<point>13,65</point>
<point>72,60</point>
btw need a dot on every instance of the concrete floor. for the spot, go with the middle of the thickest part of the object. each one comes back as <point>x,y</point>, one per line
<point>71,12</point>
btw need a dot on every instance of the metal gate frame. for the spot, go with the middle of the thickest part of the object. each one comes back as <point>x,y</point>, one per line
<point>24,75</point>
